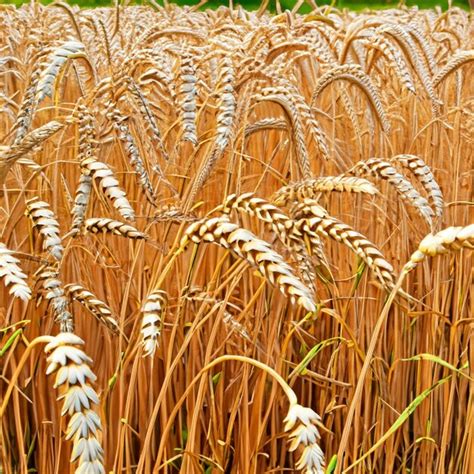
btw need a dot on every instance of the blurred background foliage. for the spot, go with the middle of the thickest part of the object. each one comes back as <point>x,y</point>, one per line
<point>286,4</point>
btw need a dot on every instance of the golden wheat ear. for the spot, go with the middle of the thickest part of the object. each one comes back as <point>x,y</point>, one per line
<point>314,221</point>
<point>302,190</point>
<point>32,141</point>
<point>73,380</point>
<point>256,252</point>
<point>105,225</point>
<point>56,62</point>
<point>109,186</point>
<point>458,60</point>
<point>44,219</point>
<point>48,277</point>
<point>12,274</point>
<point>384,170</point>
<point>447,240</point>
<point>93,304</point>
<point>152,314</point>
<point>424,174</point>
<point>283,227</point>
<point>355,75</point>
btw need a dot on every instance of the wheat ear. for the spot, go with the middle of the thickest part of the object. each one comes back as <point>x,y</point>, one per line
<point>109,186</point>
<point>52,284</point>
<point>73,381</point>
<point>458,60</point>
<point>423,172</point>
<point>43,218</point>
<point>283,227</point>
<point>256,252</point>
<point>57,60</point>
<point>93,304</point>
<point>301,190</point>
<point>32,141</point>
<point>354,74</point>
<point>312,219</point>
<point>446,240</point>
<point>12,274</point>
<point>106,225</point>
<point>384,170</point>
<point>152,314</point>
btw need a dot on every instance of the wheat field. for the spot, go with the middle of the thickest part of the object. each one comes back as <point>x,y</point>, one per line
<point>236,242</point>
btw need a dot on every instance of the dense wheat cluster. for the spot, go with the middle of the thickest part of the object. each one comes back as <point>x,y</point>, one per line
<point>236,242</point>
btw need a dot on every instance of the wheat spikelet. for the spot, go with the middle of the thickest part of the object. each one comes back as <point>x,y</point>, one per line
<point>95,306</point>
<point>256,252</point>
<point>422,171</point>
<point>447,240</point>
<point>384,170</point>
<point>459,59</point>
<point>12,274</point>
<point>313,220</point>
<point>106,225</point>
<point>53,286</point>
<point>354,74</point>
<point>73,381</point>
<point>43,218</point>
<point>301,190</point>
<point>152,313</point>
<point>57,60</point>
<point>109,186</point>
<point>306,436</point>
